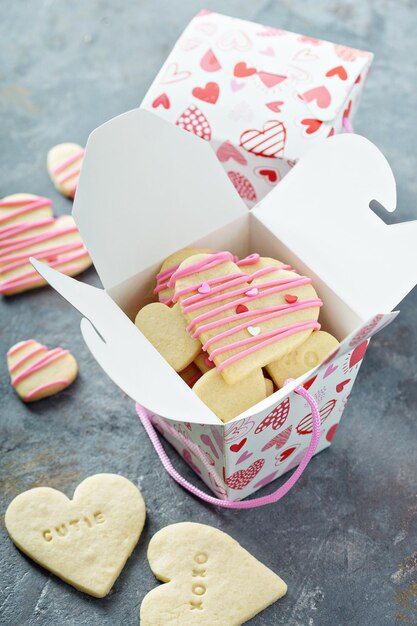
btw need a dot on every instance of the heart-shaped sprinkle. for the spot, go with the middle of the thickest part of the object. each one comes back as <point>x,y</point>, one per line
<point>85,541</point>
<point>204,288</point>
<point>212,579</point>
<point>252,292</point>
<point>241,308</point>
<point>254,330</point>
<point>290,298</point>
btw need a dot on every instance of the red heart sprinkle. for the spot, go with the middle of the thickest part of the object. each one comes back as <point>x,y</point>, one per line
<point>241,308</point>
<point>290,299</point>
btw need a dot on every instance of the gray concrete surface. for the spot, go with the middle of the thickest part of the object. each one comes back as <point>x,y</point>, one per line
<point>345,538</point>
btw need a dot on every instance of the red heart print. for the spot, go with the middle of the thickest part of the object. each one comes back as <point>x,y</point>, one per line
<point>227,151</point>
<point>241,308</point>
<point>358,354</point>
<point>240,479</point>
<point>286,453</point>
<point>279,440</point>
<point>358,79</point>
<point>243,186</point>
<point>305,426</point>
<point>275,106</point>
<point>241,70</point>
<point>342,385</point>
<point>209,62</point>
<point>161,100</point>
<point>308,383</point>
<point>193,120</point>
<point>268,142</point>
<point>331,133</point>
<point>290,298</point>
<point>271,80</point>
<point>236,447</point>
<point>346,112</point>
<point>209,93</point>
<point>312,125</point>
<point>276,418</point>
<point>331,432</point>
<point>338,71</point>
<point>320,94</point>
<point>271,175</point>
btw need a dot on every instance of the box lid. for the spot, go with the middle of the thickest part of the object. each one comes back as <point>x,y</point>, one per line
<point>146,189</point>
<point>273,92</point>
<point>321,212</point>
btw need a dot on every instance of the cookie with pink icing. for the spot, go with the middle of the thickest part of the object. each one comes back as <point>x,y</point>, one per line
<point>64,165</point>
<point>244,321</point>
<point>168,267</point>
<point>56,241</point>
<point>19,208</point>
<point>37,372</point>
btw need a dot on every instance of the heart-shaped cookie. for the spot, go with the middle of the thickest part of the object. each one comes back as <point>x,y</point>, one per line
<point>64,165</point>
<point>37,372</point>
<point>228,401</point>
<point>85,541</point>
<point>214,319</point>
<point>56,241</point>
<point>299,361</point>
<point>210,579</point>
<point>165,328</point>
<point>17,210</point>
<point>168,267</point>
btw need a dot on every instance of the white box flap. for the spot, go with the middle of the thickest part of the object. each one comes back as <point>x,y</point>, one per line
<point>125,354</point>
<point>321,212</point>
<point>147,189</point>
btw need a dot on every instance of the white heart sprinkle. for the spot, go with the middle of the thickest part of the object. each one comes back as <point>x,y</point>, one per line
<point>254,330</point>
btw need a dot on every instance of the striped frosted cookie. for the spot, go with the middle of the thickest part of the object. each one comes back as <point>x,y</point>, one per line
<point>64,164</point>
<point>19,208</point>
<point>37,372</point>
<point>53,240</point>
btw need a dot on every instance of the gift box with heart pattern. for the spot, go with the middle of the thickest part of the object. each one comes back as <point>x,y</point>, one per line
<point>261,96</point>
<point>136,204</point>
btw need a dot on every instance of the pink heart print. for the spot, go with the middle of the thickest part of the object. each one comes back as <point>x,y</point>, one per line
<point>228,151</point>
<point>305,426</point>
<point>241,478</point>
<point>279,440</point>
<point>194,121</point>
<point>320,94</point>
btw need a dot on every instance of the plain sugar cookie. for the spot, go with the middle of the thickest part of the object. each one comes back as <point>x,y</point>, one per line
<point>37,372</point>
<point>301,360</point>
<point>64,165</point>
<point>210,580</point>
<point>85,541</point>
<point>229,401</point>
<point>165,328</point>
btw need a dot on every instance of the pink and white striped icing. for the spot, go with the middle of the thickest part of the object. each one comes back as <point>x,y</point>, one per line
<point>59,170</point>
<point>243,295</point>
<point>24,206</point>
<point>46,358</point>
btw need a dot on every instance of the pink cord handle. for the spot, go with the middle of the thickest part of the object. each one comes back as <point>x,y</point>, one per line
<point>231,504</point>
<point>347,125</point>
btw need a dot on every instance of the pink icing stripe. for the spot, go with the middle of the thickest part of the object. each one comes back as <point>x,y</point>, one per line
<point>32,277</point>
<point>64,164</point>
<point>205,264</point>
<point>27,357</point>
<point>25,242</point>
<point>19,346</point>
<point>18,260</point>
<point>274,286</point>
<point>226,282</point>
<point>281,332</point>
<point>284,309</point>
<point>13,230</point>
<point>49,358</point>
<point>71,174</point>
<point>234,303</point>
<point>251,259</point>
<point>229,281</point>
<point>60,381</point>
<point>32,206</point>
<point>296,328</point>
